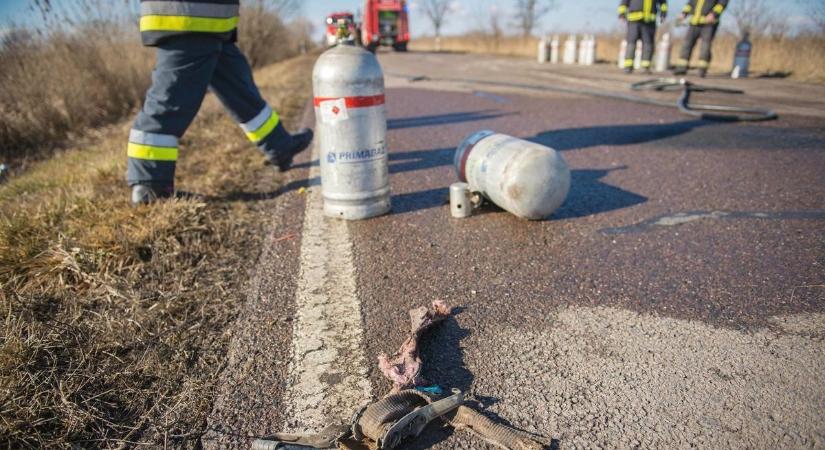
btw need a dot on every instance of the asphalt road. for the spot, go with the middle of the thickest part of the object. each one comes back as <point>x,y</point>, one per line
<point>677,299</point>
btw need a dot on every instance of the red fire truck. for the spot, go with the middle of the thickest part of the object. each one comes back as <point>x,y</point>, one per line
<point>385,22</point>
<point>332,26</point>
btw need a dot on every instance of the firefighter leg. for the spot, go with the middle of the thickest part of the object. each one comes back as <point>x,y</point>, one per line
<point>648,44</point>
<point>232,82</point>
<point>633,34</point>
<point>687,48</point>
<point>179,83</point>
<point>708,32</point>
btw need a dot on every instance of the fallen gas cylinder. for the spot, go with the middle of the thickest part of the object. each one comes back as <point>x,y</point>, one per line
<point>406,411</point>
<point>522,177</point>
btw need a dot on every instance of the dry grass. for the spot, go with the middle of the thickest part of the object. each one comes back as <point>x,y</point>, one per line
<point>115,320</point>
<point>801,58</point>
<point>56,87</point>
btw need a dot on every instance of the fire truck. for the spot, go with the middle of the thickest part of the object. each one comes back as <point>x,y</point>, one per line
<point>386,22</point>
<point>332,26</point>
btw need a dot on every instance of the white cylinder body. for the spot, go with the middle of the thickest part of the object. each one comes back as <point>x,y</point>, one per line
<point>351,127</point>
<point>622,52</point>
<point>522,177</point>
<point>637,60</point>
<point>554,50</point>
<point>585,42</point>
<point>542,51</point>
<point>663,54</point>
<point>741,60</point>
<point>570,47</point>
<point>591,51</point>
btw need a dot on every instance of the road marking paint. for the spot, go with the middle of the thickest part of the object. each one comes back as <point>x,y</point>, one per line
<point>672,220</point>
<point>328,373</point>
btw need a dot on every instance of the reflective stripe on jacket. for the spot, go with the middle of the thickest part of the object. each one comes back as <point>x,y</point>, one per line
<point>701,8</point>
<point>160,19</point>
<point>642,10</point>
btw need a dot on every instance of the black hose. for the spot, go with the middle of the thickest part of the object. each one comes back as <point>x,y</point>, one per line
<point>709,112</point>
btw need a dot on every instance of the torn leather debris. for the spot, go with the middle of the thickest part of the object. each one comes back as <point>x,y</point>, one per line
<point>405,411</point>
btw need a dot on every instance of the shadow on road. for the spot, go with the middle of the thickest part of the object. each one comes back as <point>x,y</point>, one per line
<point>615,135</point>
<point>444,119</point>
<point>589,195</point>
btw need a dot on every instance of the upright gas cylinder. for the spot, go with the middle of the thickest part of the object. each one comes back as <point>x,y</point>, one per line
<point>585,42</point>
<point>622,52</point>
<point>524,178</point>
<point>663,54</point>
<point>570,46</point>
<point>554,49</point>
<point>742,58</point>
<point>543,55</point>
<point>637,58</point>
<point>351,128</point>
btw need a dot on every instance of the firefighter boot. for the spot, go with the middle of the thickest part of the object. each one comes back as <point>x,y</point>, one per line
<point>298,142</point>
<point>144,194</point>
<point>703,72</point>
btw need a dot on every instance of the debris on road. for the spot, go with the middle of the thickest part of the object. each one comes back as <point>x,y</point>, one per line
<point>527,179</point>
<point>407,410</point>
<point>404,367</point>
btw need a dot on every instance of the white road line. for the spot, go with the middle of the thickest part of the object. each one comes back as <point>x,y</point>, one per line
<point>328,374</point>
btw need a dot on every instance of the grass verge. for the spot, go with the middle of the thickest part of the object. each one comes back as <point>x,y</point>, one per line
<point>115,320</point>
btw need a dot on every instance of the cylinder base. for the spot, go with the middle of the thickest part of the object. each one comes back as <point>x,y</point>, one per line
<point>357,210</point>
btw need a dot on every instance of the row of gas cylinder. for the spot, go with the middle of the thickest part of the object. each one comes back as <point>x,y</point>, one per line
<point>524,178</point>
<point>584,52</point>
<point>574,51</point>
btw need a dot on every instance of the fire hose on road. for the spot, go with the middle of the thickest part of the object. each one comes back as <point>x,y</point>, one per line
<point>710,112</point>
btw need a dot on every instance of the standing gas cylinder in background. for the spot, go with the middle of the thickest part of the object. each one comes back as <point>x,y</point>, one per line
<point>351,127</point>
<point>524,178</point>
<point>663,54</point>
<point>582,58</point>
<point>591,51</point>
<point>543,55</point>
<point>570,45</point>
<point>742,58</point>
<point>622,52</point>
<point>637,60</point>
<point>554,50</point>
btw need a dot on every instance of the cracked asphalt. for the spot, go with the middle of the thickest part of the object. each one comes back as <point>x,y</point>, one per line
<point>676,300</point>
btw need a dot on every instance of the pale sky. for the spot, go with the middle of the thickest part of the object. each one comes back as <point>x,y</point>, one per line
<point>570,15</point>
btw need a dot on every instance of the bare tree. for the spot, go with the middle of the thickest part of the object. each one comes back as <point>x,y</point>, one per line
<point>529,13</point>
<point>750,16</point>
<point>436,11</point>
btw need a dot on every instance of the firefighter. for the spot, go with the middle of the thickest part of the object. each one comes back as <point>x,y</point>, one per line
<point>641,24</point>
<point>196,51</point>
<point>704,21</point>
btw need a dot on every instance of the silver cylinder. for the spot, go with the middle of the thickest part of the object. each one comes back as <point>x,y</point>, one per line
<point>351,126</point>
<point>554,50</point>
<point>461,205</point>
<point>622,53</point>
<point>663,54</point>
<point>542,51</point>
<point>741,59</point>
<point>570,49</point>
<point>522,177</point>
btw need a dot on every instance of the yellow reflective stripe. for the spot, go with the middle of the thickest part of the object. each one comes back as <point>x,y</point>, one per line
<point>622,9</point>
<point>636,15</point>
<point>686,9</point>
<point>262,132</point>
<point>663,7</point>
<point>647,7</point>
<point>628,63</point>
<point>697,16</point>
<point>718,9</point>
<point>703,64</point>
<point>645,63</point>
<point>152,153</point>
<point>186,23</point>
<point>681,62</point>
